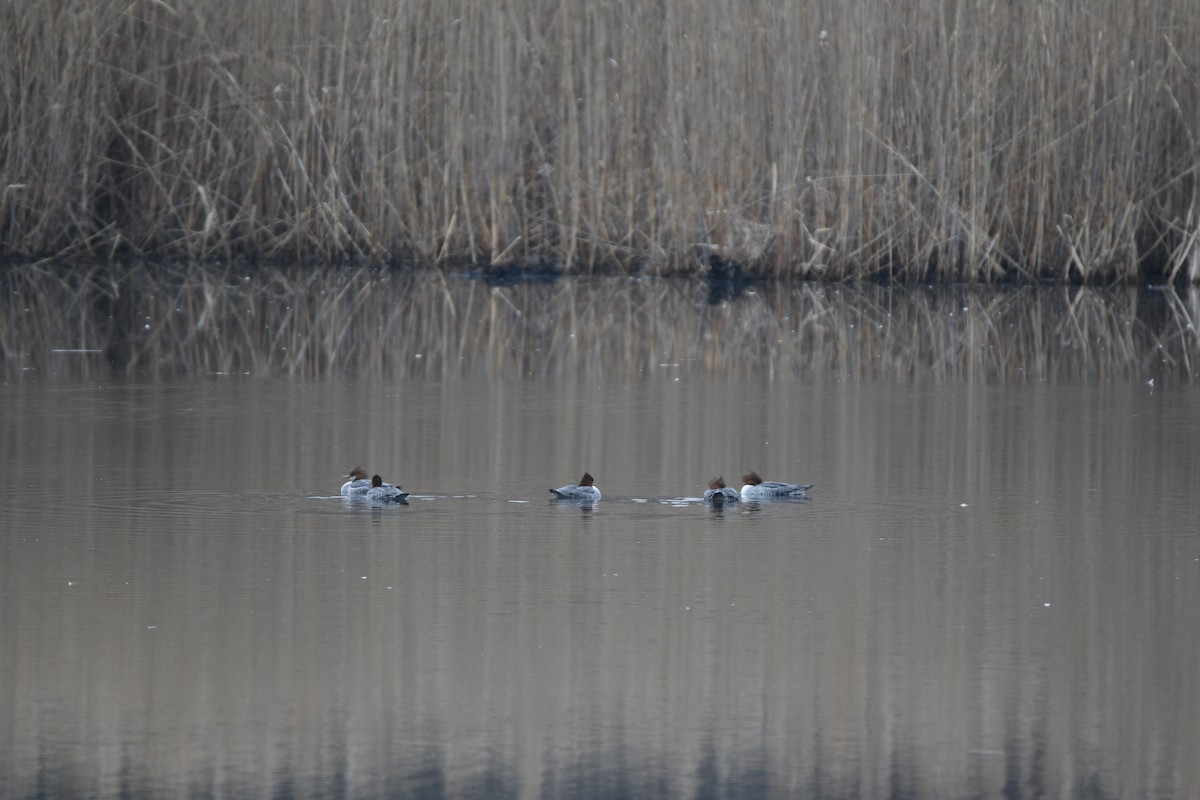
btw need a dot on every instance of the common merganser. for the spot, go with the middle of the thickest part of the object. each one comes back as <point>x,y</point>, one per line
<point>758,489</point>
<point>584,490</point>
<point>357,482</point>
<point>719,494</point>
<point>385,492</point>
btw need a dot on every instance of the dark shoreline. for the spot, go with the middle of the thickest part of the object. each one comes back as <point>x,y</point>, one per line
<point>711,271</point>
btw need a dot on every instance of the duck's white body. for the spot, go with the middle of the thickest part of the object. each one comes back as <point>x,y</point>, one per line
<point>584,490</point>
<point>375,489</point>
<point>356,485</point>
<point>756,488</point>
<point>718,493</point>
<point>575,492</point>
<point>385,492</point>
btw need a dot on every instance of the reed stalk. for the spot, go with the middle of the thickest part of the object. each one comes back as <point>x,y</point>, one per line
<point>923,141</point>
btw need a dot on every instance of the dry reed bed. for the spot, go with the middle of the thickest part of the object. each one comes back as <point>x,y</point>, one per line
<point>313,325</point>
<point>931,140</point>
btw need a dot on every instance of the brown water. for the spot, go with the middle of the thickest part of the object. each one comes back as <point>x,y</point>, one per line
<point>991,593</point>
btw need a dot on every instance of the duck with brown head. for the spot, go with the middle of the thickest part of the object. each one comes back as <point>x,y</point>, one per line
<point>386,492</point>
<point>718,493</point>
<point>755,488</point>
<point>586,489</point>
<point>357,485</point>
<point>356,482</point>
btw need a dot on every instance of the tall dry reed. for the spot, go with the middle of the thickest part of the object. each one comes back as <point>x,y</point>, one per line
<point>931,140</point>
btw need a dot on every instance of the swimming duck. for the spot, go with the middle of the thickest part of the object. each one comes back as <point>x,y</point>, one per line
<point>385,492</point>
<point>757,489</point>
<point>356,482</point>
<point>718,493</point>
<point>584,490</point>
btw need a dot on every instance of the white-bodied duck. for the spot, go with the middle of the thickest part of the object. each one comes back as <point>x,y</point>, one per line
<point>385,492</point>
<point>719,494</point>
<point>358,485</point>
<point>584,490</point>
<point>756,488</point>
<point>356,482</point>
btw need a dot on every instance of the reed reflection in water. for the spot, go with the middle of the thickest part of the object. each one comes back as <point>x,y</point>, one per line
<point>991,593</point>
<point>193,320</point>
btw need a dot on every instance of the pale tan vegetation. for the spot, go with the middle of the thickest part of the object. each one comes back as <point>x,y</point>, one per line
<point>315,324</point>
<point>935,140</point>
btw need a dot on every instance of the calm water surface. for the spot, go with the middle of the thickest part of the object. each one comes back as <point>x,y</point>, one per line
<point>992,591</point>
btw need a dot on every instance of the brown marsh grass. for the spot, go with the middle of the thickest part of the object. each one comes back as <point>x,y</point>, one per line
<point>928,141</point>
<point>315,324</point>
